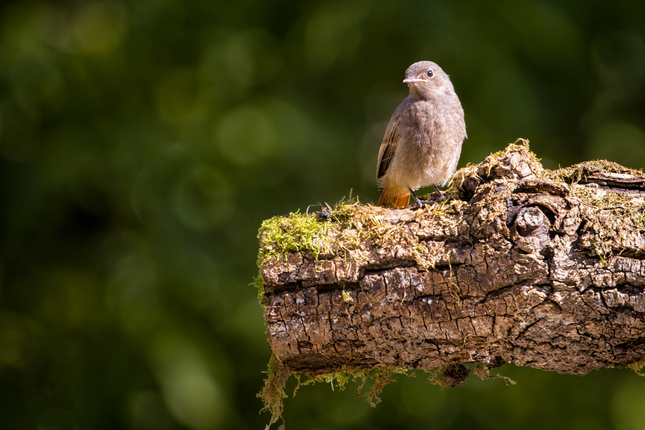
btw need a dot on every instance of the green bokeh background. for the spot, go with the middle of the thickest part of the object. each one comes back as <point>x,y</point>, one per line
<point>143,142</point>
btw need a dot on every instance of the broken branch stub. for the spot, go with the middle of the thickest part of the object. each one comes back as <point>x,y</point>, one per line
<point>522,265</point>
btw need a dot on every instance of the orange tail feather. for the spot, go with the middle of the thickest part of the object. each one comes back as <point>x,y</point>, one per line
<point>392,199</point>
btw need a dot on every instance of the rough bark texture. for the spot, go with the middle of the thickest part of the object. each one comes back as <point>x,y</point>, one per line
<point>522,265</point>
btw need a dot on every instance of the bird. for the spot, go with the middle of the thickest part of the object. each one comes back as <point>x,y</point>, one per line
<point>423,139</point>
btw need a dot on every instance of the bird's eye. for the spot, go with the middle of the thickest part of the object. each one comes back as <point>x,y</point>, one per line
<point>430,73</point>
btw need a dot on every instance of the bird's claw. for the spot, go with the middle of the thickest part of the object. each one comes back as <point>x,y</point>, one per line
<point>419,203</point>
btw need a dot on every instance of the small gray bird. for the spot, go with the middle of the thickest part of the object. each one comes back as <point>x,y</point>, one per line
<point>422,141</point>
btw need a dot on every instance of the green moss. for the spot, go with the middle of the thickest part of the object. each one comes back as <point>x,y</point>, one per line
<point>347,227</point>
<point>298,232</point>
<point>381,376</point>
<point>452,375</point>
<point>599,253</point>
<point>575,179</point>
<point>335,379</point>
<point>325,234</point>
<point>346,297</point>
<point>293,233</point>
<point>258,282</point>
<point>273,393</point>
<point>581,171</point>
<point>638,367</point>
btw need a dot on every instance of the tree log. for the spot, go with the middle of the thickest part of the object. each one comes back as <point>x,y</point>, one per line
<point>520,265</point>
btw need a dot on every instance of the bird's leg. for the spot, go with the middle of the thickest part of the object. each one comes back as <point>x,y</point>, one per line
<point>443,197</point>
<point>419,202</point>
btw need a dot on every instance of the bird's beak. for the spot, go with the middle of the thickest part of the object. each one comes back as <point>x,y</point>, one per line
<point>413,81</point>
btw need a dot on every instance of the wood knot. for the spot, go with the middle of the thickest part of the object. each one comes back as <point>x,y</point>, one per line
<point>529,220</point>
<point>530,230</point>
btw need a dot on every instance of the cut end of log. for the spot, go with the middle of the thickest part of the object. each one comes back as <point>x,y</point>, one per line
<point>521,265</point>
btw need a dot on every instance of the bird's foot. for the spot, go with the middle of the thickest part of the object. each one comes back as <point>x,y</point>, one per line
<point>419,203</point>
<point>442,196</point>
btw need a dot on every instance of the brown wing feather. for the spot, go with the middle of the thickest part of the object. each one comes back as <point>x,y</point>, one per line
<point>388,146</point>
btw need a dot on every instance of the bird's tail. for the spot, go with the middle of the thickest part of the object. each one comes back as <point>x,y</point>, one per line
<point>394,198</point>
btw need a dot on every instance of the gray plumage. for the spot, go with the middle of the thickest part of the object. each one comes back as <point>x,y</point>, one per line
<point>423,139</point>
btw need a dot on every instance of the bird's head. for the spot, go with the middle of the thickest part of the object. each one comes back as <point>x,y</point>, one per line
<point>427,80</point>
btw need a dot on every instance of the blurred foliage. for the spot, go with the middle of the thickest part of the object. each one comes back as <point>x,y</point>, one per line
<point>143,142</point>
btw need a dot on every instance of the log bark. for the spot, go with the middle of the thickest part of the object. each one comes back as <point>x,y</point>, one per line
<point>521,265</point>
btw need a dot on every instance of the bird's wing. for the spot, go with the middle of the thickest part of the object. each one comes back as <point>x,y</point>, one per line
<point>388,146</point>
